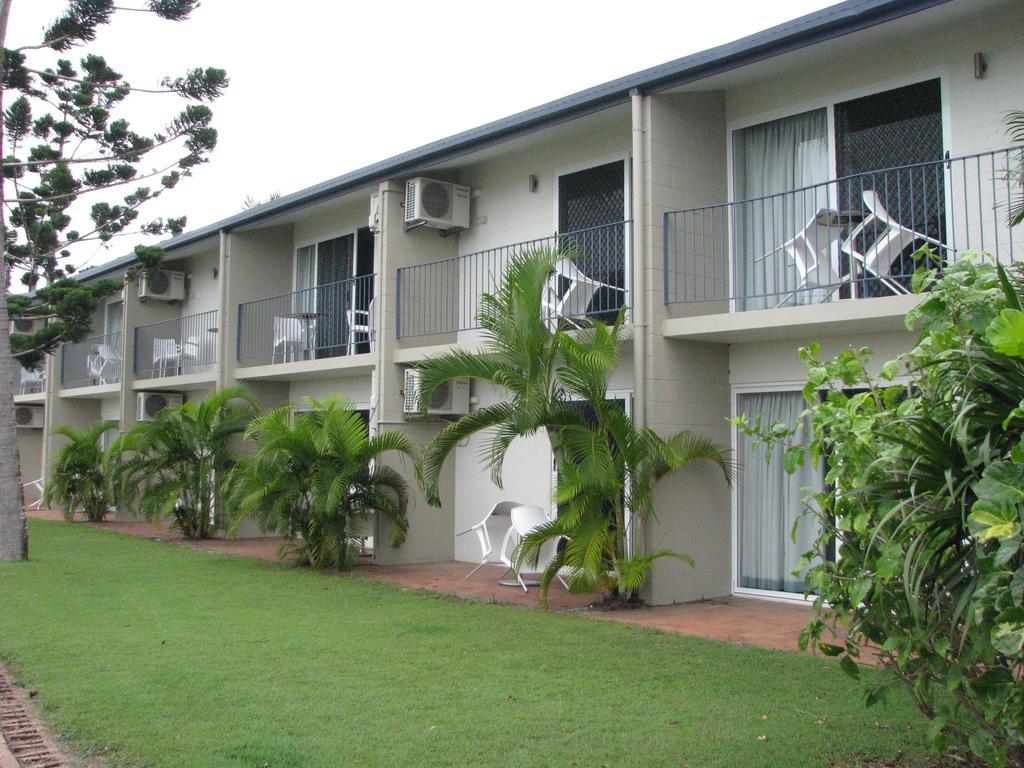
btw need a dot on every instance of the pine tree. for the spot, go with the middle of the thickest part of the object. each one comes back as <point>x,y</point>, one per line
<point>62,140</point>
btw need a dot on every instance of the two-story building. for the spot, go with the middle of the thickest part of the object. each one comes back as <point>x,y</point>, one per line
<point>740,202</point>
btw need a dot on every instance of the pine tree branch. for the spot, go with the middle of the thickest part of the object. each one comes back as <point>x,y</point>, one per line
<point>99,83</point>
<point>77,193</point>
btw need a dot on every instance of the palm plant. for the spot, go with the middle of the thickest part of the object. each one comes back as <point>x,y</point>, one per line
<point>315,478</point>
<point>606,467</point>
<point>78,479</point>
<point>1015,175</point>
<point>180,461</point>
<point>606,477</point>
<point>521,358</point>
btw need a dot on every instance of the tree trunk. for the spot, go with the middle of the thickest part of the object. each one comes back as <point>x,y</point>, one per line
<point>13,532</point>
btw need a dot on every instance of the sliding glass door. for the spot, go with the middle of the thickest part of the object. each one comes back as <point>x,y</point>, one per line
<point>772,531</point>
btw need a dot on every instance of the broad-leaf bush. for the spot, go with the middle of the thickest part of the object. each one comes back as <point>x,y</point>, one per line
<point>923,501</point>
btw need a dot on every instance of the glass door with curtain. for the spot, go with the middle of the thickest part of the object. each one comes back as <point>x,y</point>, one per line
<point>776,157</point>
<point>772,531</point>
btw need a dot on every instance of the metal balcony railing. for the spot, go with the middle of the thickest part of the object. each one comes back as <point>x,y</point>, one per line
<point>854,237</point>
<point>180,345</point>
<point>97,360</point>
<point>592,280</point>
<point>326,321</point>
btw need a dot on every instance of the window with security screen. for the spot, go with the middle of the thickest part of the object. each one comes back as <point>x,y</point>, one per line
<point>591,226</point>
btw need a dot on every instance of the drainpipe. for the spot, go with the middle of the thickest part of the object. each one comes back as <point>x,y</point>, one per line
<point>639,264</point>
<point>224,312</point>
<point>639,297</point>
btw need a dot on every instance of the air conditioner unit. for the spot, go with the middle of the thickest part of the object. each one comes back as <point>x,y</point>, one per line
<point>27,324</point>
<point>436,204</point>
<point>162,285</point>
<point>28,416</point>
<point>450,399</point>
<point>151,403</point>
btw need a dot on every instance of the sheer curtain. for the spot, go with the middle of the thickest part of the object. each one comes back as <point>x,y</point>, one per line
<point>305,279</point>
<point>768,159</point>
<point>770,502</point>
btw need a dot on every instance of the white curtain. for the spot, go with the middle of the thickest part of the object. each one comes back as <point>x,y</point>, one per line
<point>770,502</point>
<point>305,279</point>
<point>780,156</point>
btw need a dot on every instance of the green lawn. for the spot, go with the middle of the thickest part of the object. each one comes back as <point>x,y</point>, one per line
<point>157,655</point>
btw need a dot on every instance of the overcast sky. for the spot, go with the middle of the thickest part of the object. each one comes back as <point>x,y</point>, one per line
<point>319,88</point>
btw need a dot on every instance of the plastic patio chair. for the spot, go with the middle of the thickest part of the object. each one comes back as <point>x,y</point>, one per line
<point>821,233</point>
<point>526,519</point>
<point>38,485</point>
<point>288,332</point>
<point>888,246</point>
<point>103,362</point>
<point>165,351</point>
<point>575,300</point>
<point>483,536</point>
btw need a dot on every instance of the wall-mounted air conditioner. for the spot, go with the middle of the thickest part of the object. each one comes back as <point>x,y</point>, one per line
<point>436,204</point>
<point>162,285</point>
<point>28,416</point>
<point>450,399</point>
<point>151,403</point>
<point>27,324</point>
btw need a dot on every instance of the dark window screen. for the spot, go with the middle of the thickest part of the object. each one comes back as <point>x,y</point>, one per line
<point>333,265</point>
<point>878,136</point>
<point>591,200</point>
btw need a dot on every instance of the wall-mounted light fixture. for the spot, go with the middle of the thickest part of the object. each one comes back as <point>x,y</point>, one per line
<point>534,182</point>
<point>980,65</point>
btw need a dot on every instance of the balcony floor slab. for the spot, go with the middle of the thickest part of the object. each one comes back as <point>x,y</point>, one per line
<point>325,368</point>
<point>179,382</point>
<point>845,316</point>
<point>30,398</point>
<point>92,392</point>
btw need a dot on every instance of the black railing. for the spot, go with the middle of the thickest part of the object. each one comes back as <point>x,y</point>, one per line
<point>97,360</point>
<point>181,345</point>
<point>591,280</point>
<point>325,321</point>
<point>854,237</point>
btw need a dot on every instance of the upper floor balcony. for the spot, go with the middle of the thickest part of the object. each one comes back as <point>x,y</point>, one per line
<point>176,347</point>
<point>93,362</point>
<point>591,278</point>
<point>856,237</point>
<point>325,321</point>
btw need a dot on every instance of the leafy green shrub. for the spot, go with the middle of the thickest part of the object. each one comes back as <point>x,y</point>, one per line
<point>179,462</point>
<point>315,479</point>
<point>924,498</point>
<point>79,479</point>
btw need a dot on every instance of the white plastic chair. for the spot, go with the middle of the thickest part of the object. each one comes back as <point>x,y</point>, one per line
<point>165,351</point>
<point>38,485</point>
<point>289,332</point>
<point>483,535</point>
<point>889,244</point>
<point>103,362</point>
<point>577,297</point>
<point>358,325</point>
<point>32,380</point>
<point>804,249</point>
<point>526,519</point>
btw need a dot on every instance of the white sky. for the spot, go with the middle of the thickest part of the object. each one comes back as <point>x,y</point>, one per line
<point>319,88</point>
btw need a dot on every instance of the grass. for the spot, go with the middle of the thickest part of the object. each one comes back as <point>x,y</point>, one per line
<point>158,655</point>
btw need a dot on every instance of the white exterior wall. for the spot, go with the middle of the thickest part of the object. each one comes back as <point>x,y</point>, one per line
<point>355,389</point>
<point>339,218</point>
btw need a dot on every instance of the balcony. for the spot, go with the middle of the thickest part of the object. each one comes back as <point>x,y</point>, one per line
<point>592,279</point>
<point>94,362</point>
<point>328,321</point>
<point>852,238</point>
<point>178,347</point>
